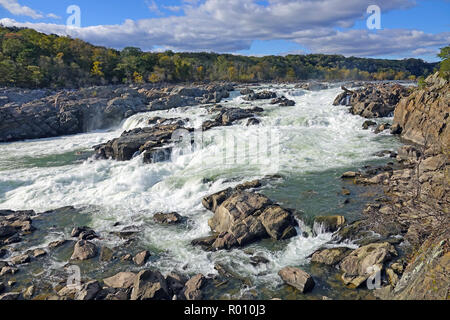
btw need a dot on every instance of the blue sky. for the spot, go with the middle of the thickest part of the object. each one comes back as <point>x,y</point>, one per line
<point>272,27</point>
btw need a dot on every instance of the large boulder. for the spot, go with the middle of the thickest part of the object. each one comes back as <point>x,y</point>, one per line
<point>84,250</point>
<point>297,278</point>
<point>242,217</point>
<point>150,285</point>
<point>328,223</point>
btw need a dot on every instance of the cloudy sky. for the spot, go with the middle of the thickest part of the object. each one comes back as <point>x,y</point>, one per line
<point>409,28</point>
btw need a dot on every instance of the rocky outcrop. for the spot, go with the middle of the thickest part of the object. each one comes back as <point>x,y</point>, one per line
<point>148,141</point>
<point>167,218</point>
<point>283,102</point>
<point>373,101</point>
<point>42,114</point>
<point>263,95</point>
<point>312,86</point>
<point>84,250</point>
<point>362,263</point>
<point>242,217</point>
<point>423,117</point>
<point>14,225</point>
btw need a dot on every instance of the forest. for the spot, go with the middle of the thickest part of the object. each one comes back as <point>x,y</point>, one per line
<point>33,60</point>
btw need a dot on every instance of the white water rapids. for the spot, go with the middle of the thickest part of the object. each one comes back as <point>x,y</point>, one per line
<point>314,137</point>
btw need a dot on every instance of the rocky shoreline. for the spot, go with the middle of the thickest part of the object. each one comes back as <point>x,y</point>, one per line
<point>403,235</point>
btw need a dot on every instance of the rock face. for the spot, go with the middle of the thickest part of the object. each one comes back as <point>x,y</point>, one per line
<point>242,217</point>
<point>297,278</point>
<point>359,265</point>
<point>423,117</point>
<point>312,86</point>
<point>41,113</point>
<point>373,101</point>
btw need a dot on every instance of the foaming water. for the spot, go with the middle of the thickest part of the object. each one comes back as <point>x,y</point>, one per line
<point>312,136</point>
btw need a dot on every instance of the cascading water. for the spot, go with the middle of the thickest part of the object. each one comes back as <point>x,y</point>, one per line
<point>316,142</point>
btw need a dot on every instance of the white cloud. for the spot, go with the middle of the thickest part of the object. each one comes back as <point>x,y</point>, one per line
<point>213,25</point>
<point>15,8</point>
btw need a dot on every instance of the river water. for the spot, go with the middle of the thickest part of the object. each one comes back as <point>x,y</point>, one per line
<point>310,144</point>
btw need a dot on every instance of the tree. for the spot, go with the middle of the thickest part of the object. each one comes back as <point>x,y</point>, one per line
<point>445,64</point>
<point>97,69</point>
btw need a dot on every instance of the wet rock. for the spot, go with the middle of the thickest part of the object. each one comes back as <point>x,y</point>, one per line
<point>37,253</point>
<point>283,102</point>
<point>141,258</point>
<point>106,254</point>
<point>330,257</point>
<point>253,122</point>
<point>3,252</point>
<point>297,278</point>
<point>56,244</point>
<point>122,280</point>
<point>360,264</point>
<point>20,259</point>
<point>150,285</point>
<point>367,124</point>
<point>382,127</point>
<point>84,250</point>
<point>168,218</point>
<point>328,223</point>
<point>257,260</point>
<point>205,242</point>
<point>192,290</point>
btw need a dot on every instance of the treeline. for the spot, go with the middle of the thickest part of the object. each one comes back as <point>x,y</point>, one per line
<point>32,59</point>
